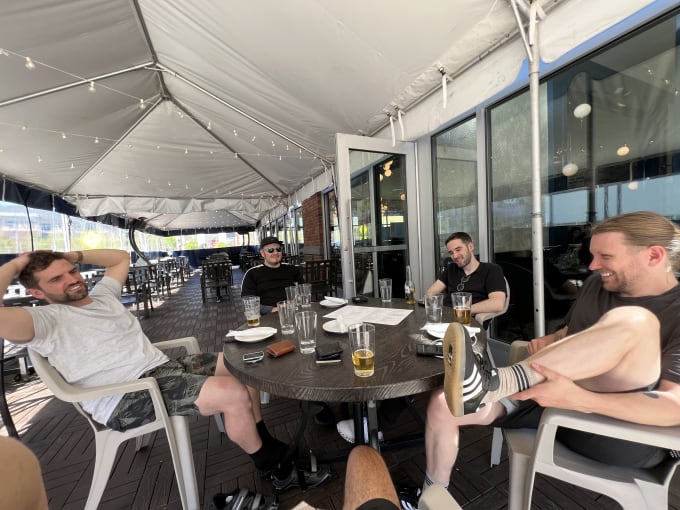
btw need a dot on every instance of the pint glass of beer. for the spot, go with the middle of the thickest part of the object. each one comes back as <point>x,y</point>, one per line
<point>362,340</point>
<point>462,307</point>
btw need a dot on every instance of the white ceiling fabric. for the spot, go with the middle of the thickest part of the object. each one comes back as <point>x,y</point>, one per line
<point>242,100</point>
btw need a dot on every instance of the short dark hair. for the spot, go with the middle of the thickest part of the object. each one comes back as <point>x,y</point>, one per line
<point>463,236</point>
<point>38,261</point>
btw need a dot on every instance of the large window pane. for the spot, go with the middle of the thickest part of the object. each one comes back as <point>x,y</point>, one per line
<point>455,185</point>
<point>609,135</point>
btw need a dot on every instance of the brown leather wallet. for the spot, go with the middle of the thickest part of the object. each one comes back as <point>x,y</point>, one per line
<point>278,349</point>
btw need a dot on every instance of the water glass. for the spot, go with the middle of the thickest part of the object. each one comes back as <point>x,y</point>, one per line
<point>286,310</point>
<point>251,307</point>
<point>385,289</point>
<point>292,293</point>
<point>362,341</point>
<point>305,295</point>
<point>462,307</point>
<point>433,308</point>
<point>305,322</point>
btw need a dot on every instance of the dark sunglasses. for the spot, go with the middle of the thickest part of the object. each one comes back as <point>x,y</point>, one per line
<point>272,250</point>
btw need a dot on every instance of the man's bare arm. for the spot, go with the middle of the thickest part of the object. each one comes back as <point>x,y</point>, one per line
<point>116,262</point>
<point>16,323</point>
<point>494,304</point>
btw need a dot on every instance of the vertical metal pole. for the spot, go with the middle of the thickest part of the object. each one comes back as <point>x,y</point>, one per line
<point>536,213</point>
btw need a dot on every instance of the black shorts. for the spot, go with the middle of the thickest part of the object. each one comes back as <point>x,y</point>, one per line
<point>617,452</point>
<point>378,504</point>
<point>180,381</point>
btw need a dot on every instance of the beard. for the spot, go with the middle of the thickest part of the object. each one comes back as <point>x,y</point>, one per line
<point>74,292</point>
<point>466,259</point>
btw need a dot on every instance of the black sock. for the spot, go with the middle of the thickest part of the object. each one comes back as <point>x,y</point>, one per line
<point>267,439</point>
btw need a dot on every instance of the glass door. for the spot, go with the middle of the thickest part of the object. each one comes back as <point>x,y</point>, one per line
<point>373,207</point>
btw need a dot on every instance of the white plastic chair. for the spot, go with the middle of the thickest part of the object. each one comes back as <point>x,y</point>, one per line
<point>484,318</point>
<point>436,497</point>
<point>518,351</point>
<point>537,451</point>
<point>107,440</point>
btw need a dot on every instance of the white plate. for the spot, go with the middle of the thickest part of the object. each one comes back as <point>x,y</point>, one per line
<point>255,334</point>
<point>334,327</point>
<point>331,304</point>
<point>438,330</point>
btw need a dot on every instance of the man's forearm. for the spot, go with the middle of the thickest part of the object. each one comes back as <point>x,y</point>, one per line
<point>103,257</point>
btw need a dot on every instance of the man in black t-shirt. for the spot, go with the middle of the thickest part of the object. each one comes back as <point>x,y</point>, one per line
<point>481,279</point>
<point>614,357</point>
<point>270,279</point>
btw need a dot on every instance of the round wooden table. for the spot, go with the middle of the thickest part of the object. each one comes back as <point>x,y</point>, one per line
<point>399,371</point>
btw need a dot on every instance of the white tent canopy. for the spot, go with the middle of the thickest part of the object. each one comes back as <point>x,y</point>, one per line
<point>198,114</point>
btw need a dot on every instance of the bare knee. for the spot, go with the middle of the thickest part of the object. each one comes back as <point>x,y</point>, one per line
<point>223,395</point>
<point>631,318</point>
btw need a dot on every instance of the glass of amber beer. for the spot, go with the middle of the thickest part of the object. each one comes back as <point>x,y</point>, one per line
<point>462,307</point>
<point>251,307</point>
<point>362,340</point>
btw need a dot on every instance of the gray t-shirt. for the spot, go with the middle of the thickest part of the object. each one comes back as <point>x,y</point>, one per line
<point>99,343</point>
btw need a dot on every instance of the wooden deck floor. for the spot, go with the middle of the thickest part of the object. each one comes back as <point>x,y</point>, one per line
<point>144,480</point>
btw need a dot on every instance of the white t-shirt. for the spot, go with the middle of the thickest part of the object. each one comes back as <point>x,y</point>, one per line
<point>99,343</point>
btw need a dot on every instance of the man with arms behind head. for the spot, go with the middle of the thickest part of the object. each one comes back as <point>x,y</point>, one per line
<point>467,274</point>
<point>619,355</point>
<point>92,340</point>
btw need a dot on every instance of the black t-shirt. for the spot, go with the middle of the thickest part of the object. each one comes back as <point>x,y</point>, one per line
<point>270,283</point>
<point>594,301</point>
<point>487,278</point>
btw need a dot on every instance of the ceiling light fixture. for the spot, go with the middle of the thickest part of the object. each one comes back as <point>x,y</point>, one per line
<point>91,87</point>
<point>569,169</point>
<point>29,63</point>
<point>623,150</point>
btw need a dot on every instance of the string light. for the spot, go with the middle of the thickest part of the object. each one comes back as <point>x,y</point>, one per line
<point>142,105</point>
<point>91,87</point>
<point>209,125</point>
<point>29,63</point>
<point>96,139</point>
<point>63,135</point>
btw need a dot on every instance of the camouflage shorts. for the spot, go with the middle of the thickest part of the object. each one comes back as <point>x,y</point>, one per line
<point>180,381</point>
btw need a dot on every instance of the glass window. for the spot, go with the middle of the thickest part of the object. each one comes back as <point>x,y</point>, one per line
<point>455,185</point>
<point>609,135</point>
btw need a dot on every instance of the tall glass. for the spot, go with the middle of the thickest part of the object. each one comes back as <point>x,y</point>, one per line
<point>433,308</point>
<point>385,285</point>
<point>292,293</point>
<point>251,307</point>
<point>462,307</point>
<point>286,310</point>
<point>305,295</point>
<point>362,341</point>
<point>305,322</point>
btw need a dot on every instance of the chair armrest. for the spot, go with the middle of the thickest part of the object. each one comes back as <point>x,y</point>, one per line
<point>189,343</point>
<point>661,437</point>
<point>482,317</point>
<point>69,393</point>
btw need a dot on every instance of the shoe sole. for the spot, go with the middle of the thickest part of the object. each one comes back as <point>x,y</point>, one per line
<point>454,368</point>
<point>325,473</point>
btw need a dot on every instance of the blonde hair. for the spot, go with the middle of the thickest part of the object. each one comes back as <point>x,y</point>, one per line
<point>644,229</point>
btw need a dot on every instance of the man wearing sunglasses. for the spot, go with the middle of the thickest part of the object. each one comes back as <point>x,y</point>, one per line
<point>481,279</point>
<point>270,279</point>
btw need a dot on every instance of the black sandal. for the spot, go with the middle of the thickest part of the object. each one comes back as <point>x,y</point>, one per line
<point>244,499</point>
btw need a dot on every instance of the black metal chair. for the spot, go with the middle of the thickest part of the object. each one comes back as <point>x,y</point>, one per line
<point>215,277</point>
<point>9,353</point>
<point>136,291</point>
<point>323,277</point>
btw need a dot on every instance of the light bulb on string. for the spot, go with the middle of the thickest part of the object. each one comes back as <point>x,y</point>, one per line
<point>91,87</point>
<point>633,185</point>
<point>209,125</point>
<point>29,63</point>
<point>63,135</point>
<point>96,139</point>
<point>72,166</point>
<point>142,105</point>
